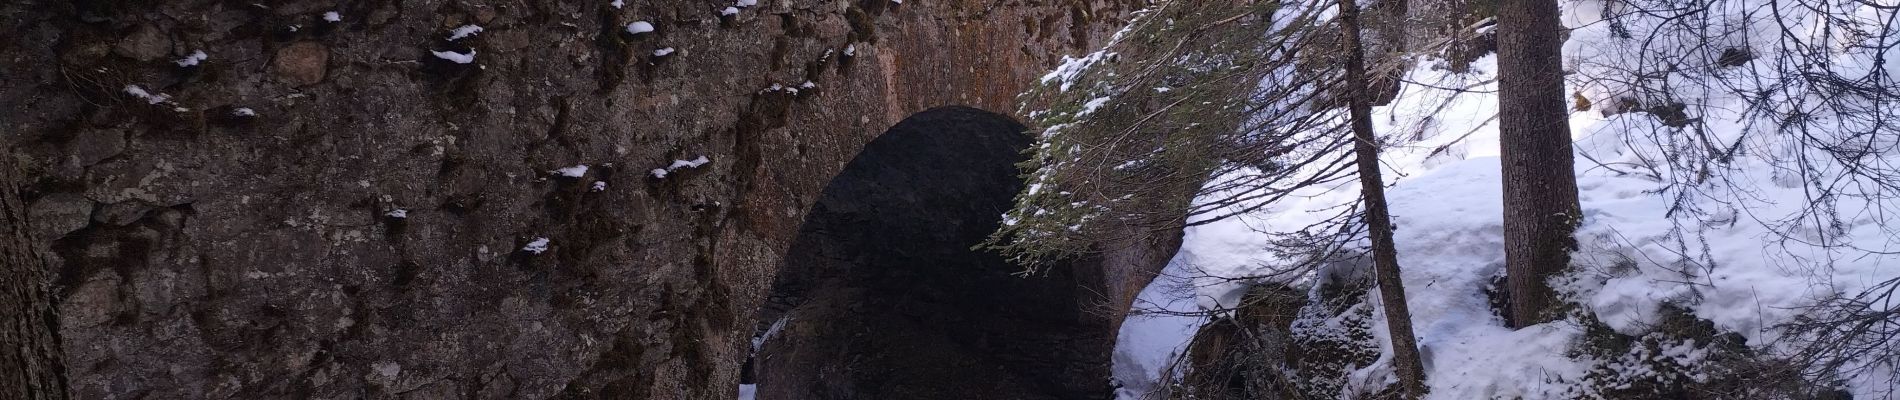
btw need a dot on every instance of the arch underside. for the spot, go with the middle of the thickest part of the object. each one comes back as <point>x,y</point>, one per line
<point>882,296</point>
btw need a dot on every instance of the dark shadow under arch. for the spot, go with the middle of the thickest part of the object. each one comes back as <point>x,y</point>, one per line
<point>882,296</point>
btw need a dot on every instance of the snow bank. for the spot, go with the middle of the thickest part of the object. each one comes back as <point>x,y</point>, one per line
<point>455,57</point>
<point>196,56</point>
<point>464,31</point>
<point>661,173</point>
<point>537,246</point>
<point>572,172</point>
<point>149,97</point>
<point>1744,264</point>
<point>639,27</point>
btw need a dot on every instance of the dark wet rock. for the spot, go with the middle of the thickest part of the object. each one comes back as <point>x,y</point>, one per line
<point>91,146</point>
<point>145,43</point>
<point>301,63</point>
<point>54,215</point>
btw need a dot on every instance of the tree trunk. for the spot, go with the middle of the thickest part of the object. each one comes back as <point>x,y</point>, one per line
<point>30,363</point>
<point>1385,255</point>
<point>1540,187</point>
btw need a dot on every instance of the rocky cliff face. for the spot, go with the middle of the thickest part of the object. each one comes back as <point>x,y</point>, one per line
<point>335,199</point>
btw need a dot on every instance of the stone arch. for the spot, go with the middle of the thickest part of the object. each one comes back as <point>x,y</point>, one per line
<point>881,295</point>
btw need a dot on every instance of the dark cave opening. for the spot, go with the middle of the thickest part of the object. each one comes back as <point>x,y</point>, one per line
<point>882,295</point>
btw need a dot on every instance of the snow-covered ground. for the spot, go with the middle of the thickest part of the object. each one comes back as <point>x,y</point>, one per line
<point>1739,264</point>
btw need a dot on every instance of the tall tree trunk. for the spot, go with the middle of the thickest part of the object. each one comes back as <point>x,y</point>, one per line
<point>30,363</point>
<point>1540,187</point>
<point>1385,255</point>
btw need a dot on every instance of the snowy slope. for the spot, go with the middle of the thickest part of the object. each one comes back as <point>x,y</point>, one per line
<point>1734,265</point>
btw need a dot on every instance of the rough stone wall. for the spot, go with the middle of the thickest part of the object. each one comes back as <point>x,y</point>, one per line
<point>206,253</point>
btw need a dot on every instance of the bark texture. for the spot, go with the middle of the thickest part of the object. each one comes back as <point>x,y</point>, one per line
<point>31,367</point>
<point>328,205</point>
<point>1378,216</point>
<point>1541,210</point>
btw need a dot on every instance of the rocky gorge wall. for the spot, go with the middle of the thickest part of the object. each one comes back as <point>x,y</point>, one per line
<point>327,204</point>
